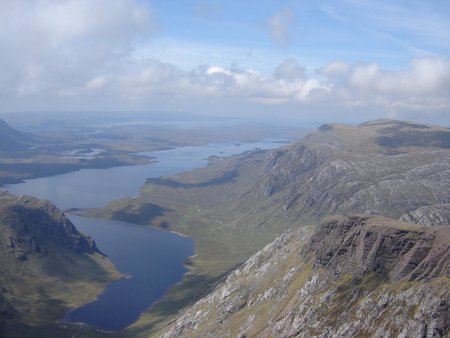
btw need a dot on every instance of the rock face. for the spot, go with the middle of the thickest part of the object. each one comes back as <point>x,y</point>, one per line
<point>399,252</point>
<point>46,267</point>
<point>390,168</point>
<point>30,225</point>
<point>429,215</point>
<point>352,277</point>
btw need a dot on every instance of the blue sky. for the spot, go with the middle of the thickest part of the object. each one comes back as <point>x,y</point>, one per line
<point>334,60</point>
<point>388,32</point>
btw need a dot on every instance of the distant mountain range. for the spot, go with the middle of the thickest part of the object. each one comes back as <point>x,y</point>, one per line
<point>12,140</point>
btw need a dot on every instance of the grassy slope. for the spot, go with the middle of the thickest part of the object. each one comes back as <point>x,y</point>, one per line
<point>42,290</point>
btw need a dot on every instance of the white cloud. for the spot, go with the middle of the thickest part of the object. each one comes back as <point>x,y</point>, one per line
<point>424,86</point>
<point>152,78</point>
<point>53,45</point>
<point>97,82</point>
<point>289,70</point>
<point>278,25</point>
<point>217,70</point>
<point>308,87</point>
<point>61,53</point>
<point>335,69</point>
<point>362,77</point>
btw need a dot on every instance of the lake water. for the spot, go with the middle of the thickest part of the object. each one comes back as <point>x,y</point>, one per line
<point>154,258</point>
<point>90,188</point>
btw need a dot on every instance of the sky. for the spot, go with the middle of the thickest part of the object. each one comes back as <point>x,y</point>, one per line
<point>342,60</point>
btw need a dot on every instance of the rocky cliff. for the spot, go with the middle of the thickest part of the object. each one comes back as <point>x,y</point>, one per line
<point>46,268</point>
<point>399,251</point>
<point>351,277</point>
<point>30,225</point>
<point>392,168</point>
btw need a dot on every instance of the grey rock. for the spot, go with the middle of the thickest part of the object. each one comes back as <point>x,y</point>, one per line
<point>32,224</point>
<point>355,276</point>
<point>345,170</point>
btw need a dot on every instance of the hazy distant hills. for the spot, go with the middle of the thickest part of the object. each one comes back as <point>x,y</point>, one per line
<point>12,140</point>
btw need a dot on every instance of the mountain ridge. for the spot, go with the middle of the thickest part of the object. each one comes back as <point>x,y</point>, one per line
<point>346,169</point>
<point>298,286</point>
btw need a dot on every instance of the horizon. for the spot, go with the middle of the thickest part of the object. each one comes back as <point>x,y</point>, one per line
<point>350,61</point>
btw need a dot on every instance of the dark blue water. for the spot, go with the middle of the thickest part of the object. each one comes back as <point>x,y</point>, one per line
<point>154,259</point>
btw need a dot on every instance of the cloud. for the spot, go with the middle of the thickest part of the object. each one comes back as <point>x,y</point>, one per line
<point>153,78</point>
<point>278,26</point>
<point>289,70</point>
<point>335,69</point>
<point>66,53</point>
<point>48,45</point>
<point>97,82</point>
<point>424,86</point>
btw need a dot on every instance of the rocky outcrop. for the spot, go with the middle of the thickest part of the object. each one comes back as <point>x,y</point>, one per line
<point>30,225</point>
<point>428,215</point>
<point>376,168</point>
<point>351,277</point>
<point>360,244</point>
<point>46,268</point>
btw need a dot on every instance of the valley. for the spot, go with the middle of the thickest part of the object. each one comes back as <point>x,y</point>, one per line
<point>74,191</point>
<point>237,205</point>
<point>224,169</point>
<point>338,170</point>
